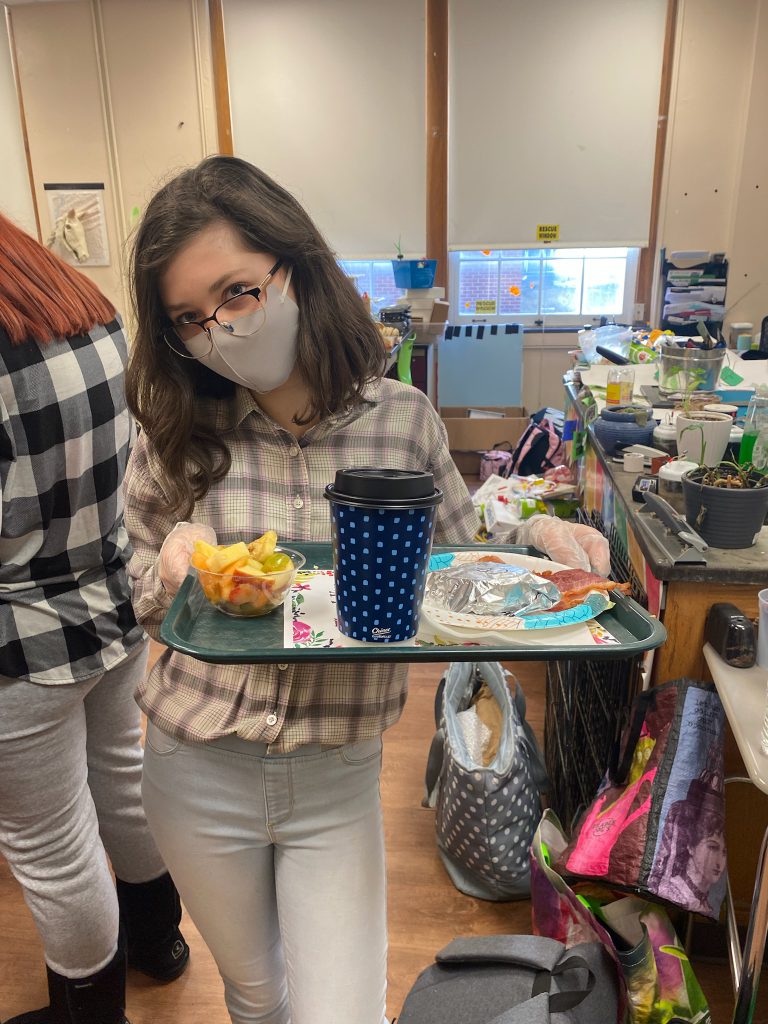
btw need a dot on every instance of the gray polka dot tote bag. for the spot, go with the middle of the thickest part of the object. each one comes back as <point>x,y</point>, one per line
<point>486,790</point>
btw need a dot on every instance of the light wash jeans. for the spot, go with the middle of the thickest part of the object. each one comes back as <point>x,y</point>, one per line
<point>70,785</point>
<point>280,862</point>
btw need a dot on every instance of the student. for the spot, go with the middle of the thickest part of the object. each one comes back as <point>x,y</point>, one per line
<point>255,375</point>
<point>71,651</point>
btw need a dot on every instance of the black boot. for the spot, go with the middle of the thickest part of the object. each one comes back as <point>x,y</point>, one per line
<point>99,999</point>
<point>150,913</point>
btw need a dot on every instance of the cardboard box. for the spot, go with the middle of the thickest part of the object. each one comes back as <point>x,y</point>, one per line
<point>467,463</point>
<point>475,434</point>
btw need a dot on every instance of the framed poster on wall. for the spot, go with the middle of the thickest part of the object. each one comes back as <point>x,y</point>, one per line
<point>78,223</point>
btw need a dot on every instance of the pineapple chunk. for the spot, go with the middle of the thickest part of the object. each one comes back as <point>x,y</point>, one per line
<point>263,546</point>
<point>251,568</point>
<point>226,556</point>
<point>202,554</point>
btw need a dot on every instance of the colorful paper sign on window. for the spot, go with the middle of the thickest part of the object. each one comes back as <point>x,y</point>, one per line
<point>547,232</point>
<point>486,306</point>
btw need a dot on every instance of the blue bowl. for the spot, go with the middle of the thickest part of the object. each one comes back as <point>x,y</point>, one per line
<point>615,429</point>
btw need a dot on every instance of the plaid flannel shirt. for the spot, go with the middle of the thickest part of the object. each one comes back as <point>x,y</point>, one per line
<point>277,482</point>
<point>65,434</point>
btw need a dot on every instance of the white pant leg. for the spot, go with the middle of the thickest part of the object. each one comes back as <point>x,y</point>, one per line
<point>49,831</point>
<point>331,888</point>
<point>251,838</point>
<point>115,756</point>
<point>205,806</point>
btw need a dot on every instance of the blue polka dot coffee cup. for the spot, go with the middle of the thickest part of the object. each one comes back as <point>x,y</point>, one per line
<point>383,522</point>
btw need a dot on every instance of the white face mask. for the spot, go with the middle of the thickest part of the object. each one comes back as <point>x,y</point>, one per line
<point>262,360</point>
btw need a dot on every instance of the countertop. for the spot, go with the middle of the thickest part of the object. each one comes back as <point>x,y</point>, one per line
<point>747,566</point>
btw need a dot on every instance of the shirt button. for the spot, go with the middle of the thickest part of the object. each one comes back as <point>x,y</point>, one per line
<point>298,503</point>
<point>272,719</point>
<point>293,451</point>
<point>283,666</point>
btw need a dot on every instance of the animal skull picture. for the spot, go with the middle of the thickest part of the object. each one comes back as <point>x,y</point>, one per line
<point>69,234</point>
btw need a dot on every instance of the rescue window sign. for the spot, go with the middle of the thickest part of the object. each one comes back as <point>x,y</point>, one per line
<point>547,232</point>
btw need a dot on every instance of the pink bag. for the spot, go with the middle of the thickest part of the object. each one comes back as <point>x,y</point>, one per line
<point>496,462</point>
<point>539,449</point>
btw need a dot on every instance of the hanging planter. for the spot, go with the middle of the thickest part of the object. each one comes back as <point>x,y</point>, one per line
<point>727,504</point>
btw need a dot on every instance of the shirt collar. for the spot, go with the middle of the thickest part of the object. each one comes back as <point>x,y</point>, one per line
<point>232,415</point>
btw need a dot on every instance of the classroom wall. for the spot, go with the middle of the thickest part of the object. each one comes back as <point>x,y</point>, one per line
<point>105,103</point>
<point>15,189</point>
<point>715,186</point>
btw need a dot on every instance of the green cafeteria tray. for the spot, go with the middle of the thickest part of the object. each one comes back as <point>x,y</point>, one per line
<point>193,626</point>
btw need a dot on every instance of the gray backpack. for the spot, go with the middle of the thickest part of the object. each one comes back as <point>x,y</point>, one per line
<point>515,979</point>
<point>486,815</point>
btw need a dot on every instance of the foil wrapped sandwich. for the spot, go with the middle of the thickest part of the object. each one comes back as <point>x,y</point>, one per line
<point>490,588</point>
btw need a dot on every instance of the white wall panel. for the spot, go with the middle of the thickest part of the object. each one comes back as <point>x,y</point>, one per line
<point>15,190</point>
<point>328,98</point>
<point>553,114</point>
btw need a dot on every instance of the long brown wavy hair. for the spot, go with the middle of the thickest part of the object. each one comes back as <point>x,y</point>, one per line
<point>339,348</point>
<point>43,299</point>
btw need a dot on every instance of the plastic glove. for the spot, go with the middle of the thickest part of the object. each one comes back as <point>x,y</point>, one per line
<point>595,545</point>
<point>173,560</point>
<point>554,538</point>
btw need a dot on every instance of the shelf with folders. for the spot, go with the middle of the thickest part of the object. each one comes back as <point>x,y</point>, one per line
<point>692,291</point>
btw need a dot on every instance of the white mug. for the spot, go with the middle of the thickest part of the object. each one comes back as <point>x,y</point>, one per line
<point>633,462</point>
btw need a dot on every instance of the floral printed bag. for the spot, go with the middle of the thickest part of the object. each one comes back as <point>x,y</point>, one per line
<point>656,825</point>
<point>656,981</point>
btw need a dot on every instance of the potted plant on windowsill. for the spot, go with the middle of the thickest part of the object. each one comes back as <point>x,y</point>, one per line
<point>412,273</point>
<point>726,504</point>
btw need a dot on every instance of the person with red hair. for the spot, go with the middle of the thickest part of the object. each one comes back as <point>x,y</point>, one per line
<point>71,650</point>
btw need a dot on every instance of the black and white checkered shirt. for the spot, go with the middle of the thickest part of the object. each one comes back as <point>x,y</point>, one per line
<point>65,434</point>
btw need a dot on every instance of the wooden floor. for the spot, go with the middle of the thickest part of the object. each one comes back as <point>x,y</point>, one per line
<point>425,911</point>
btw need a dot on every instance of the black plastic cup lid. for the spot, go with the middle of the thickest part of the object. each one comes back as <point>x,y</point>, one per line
<point>375,484</point>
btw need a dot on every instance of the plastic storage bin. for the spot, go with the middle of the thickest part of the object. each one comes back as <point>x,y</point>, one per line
<point>414,273</point>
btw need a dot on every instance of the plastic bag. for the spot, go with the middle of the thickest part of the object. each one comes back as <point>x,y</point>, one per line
<point>617,339</point>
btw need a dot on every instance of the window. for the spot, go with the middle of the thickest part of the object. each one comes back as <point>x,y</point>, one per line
<point>553,287</point>
<point>376,278</point>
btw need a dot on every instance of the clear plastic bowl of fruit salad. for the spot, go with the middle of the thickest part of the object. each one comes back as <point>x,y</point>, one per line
<point>246,580</point>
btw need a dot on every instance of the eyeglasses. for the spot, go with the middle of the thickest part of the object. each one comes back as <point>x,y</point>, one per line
<point>240,316</point>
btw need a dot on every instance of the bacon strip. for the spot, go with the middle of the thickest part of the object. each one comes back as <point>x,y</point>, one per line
<point>575,584</point>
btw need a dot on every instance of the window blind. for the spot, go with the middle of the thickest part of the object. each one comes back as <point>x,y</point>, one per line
<point>328,98</point>
<point>552,120</point>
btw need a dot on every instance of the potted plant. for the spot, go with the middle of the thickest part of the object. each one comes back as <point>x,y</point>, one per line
<point>412,273</point>
<point>683,368</point>
<point>702,436</point>
<point>726,504</point>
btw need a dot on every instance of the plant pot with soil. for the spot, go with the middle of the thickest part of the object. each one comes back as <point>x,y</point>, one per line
<point>702,436</point>
<point>726,504</point>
